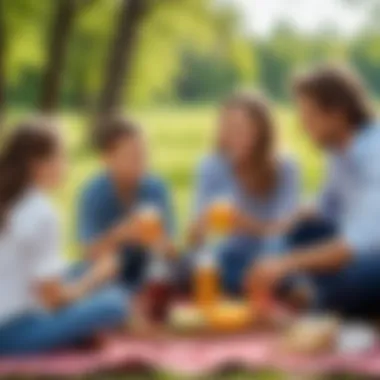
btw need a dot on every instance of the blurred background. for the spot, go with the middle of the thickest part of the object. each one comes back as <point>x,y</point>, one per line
<point>169,63</point>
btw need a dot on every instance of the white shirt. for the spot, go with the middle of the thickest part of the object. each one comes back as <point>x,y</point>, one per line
<point>30,252</point>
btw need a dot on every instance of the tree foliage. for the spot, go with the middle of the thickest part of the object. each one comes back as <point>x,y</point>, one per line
<point>188,51</point>
<point>170,31</point>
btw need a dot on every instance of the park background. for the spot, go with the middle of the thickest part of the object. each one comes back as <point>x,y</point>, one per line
<point>168,63</point>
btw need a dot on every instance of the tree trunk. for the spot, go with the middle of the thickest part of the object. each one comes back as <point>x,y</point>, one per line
<point>57,48</point>
<point>2,61</point>
<point>121,56</point>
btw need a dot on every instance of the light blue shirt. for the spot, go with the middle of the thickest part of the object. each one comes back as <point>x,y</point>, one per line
<point>351,195</point>
<point>215,178</point>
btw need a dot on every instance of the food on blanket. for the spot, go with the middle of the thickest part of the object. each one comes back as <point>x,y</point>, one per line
<point>230,316</point>
<point>206,280</point>
<point>150,224</point>
<point>221,216</point>
<point>187,317</point>
<point>356,338</point>
<point>312,335</point>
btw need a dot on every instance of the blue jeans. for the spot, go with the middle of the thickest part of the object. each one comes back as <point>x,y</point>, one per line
<point>354,290</point>
<point>236,257</point>
<point>40,332</point>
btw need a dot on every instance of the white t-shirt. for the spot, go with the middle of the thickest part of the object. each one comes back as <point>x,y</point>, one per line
<point>30,251</point>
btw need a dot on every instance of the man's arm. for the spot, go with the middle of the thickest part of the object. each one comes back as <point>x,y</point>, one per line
<point>110,241</point>
<point>323,257</point>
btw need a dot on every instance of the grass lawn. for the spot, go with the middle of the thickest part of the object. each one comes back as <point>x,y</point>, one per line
<point>178,139</point>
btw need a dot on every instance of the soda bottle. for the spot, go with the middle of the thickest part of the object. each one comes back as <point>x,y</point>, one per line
<point>219,222</point>
<point>206,281</point>
<point>158,288</point>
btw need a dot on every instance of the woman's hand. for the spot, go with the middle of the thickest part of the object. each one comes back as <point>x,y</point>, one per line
<point>126,231</point>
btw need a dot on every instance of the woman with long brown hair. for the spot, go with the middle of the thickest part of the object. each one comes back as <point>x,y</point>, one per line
<point>40,308</point>
<point>247,169</point>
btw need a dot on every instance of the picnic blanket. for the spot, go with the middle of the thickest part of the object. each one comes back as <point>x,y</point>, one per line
<point>191,356</point>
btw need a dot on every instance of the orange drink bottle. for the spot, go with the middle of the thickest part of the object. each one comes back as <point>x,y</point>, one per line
<point>219,222</point>
<point>220,217</point>
<point>150,225</point>
<point>206,281</point>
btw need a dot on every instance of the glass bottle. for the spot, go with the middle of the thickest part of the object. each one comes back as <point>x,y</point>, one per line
<point>206,281</point>
<point>158,288</point>
<point>219,221</point>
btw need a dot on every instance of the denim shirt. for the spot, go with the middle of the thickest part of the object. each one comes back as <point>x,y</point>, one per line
<point>100,207</point>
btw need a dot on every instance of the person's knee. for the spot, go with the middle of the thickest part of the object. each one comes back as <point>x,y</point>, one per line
<point>113,305</point>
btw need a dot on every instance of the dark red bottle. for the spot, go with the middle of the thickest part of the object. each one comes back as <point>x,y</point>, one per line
<point>158,290</point>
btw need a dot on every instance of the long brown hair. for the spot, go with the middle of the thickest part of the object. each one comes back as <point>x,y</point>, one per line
<point>28,142</point>
<point>257,108</point>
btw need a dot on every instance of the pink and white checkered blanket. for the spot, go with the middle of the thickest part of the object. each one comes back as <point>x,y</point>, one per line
<point>191,356</point>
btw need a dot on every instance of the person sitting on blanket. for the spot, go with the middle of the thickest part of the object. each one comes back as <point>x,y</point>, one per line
<point>44,306</point>
<point>262,184</point>
<point>339,248</point>
<point>109,200</point>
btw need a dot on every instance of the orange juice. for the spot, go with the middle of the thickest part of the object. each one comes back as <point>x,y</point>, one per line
<point>206,282</point>
<point>150,224</point>
<point>221,216</point>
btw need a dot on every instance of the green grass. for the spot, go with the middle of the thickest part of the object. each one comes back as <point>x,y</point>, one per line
<point>178,138</point>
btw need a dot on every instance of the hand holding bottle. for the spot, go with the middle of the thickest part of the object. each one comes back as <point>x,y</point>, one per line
<point>150,225</point>
<point>221,216</point>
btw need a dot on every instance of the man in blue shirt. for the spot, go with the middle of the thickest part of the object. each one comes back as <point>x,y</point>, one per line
<point>344,265</point>
<point>109,200</point>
